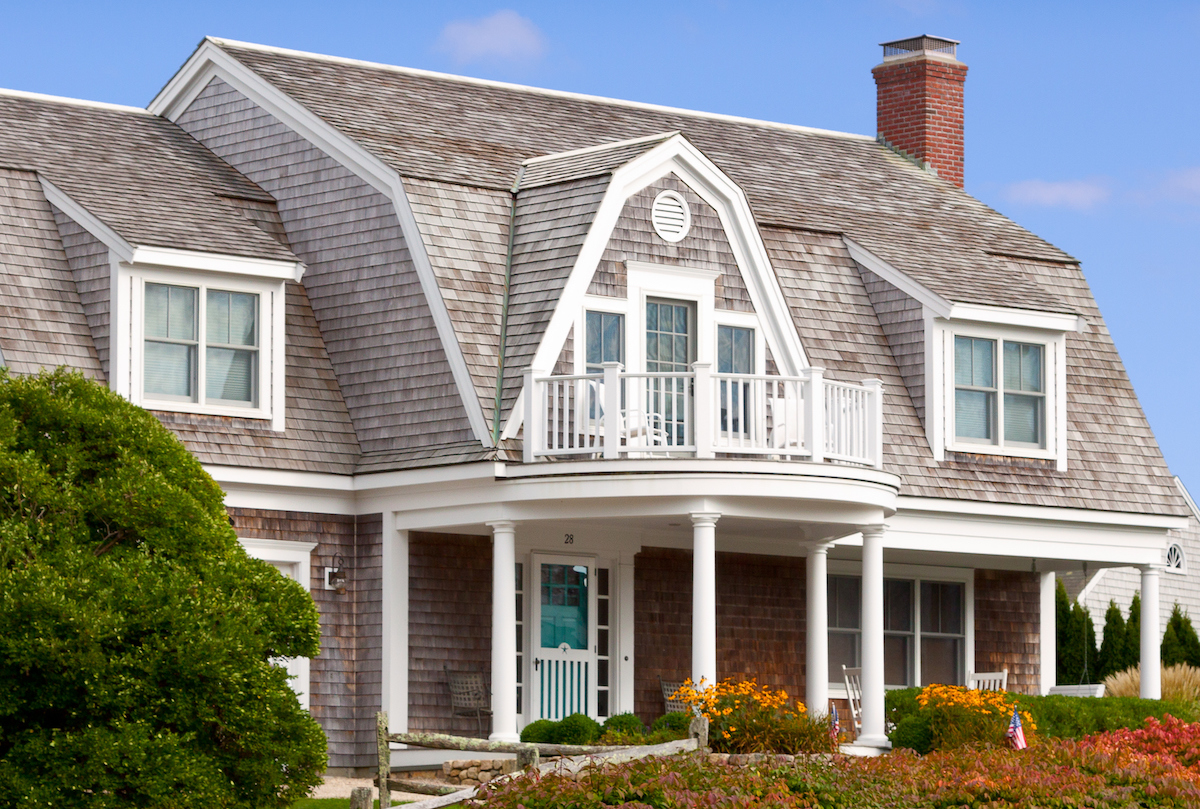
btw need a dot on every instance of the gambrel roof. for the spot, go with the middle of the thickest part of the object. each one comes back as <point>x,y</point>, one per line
<point>480,163</point>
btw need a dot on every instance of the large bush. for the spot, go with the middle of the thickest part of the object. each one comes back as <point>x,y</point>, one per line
<point>135,655</point>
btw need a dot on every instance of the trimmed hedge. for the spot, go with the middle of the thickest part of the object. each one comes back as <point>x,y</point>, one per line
<point>1058,716</point>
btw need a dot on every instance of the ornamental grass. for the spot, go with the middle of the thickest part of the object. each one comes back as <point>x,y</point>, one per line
<point>745,717</point>
<point>1179,682</point>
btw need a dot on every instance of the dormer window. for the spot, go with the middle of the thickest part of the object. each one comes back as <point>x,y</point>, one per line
<point>181,321</point>
<point>1005,408</point>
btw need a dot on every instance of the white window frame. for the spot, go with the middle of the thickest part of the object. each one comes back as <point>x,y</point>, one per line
<point>271,343</point>
<point>918,574</point>
<point>940,388</point>
<point>1183,560</point>
<point>298,555</point>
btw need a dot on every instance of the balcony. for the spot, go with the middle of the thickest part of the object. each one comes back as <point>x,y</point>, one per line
<point>700,414</point>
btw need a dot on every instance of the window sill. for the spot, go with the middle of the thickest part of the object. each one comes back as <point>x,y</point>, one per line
<point>1028,453</point>
<point>168,406</point>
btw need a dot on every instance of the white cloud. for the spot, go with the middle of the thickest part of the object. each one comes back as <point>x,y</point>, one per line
<point>505,35</point>
<point>1183,185</point>
<point>1079,195</point>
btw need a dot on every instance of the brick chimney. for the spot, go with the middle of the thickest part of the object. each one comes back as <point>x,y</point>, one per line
<point>919,103</point>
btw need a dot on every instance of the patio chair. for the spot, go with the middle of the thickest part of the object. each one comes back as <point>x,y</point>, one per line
<point>853,680</point>
<point>637,428</point>
<point>988,680</point>
<point>469,695</point>
<point>669,687</point>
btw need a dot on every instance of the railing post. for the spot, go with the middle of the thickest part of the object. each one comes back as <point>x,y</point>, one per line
<point>814,431</point>
<point>875,420</point>
<point>384,760</point>
<point>702,409</point>
<point>612,409</point>
<point>535,415</point>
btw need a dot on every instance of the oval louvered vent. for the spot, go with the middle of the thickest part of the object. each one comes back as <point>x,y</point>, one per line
<point>670,216</point>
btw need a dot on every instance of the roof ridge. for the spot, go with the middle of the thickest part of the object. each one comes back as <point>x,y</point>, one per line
<point>600,147</point>
<point>643,105</point>
<point>78,102</point>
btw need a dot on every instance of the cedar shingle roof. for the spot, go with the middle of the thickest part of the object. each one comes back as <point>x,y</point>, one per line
<point>141,175</point>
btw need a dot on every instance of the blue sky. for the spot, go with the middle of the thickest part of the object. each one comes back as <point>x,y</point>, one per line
<point>1081,117</point>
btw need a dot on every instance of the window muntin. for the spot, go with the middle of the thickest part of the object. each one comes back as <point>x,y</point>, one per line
<point>178,320</point>
<point>669,337</point>
<point>1176,561</point>
<point>941,632</point>
<point>605,340</point>
<point>981,414</point>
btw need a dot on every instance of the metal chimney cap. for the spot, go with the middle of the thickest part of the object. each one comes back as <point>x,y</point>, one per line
<point>900,48</point>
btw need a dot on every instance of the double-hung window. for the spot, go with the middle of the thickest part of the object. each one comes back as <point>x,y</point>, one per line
<point>735,355</point>
<point>999,392</point>
<point>605,340</point>
<point>201,345</point>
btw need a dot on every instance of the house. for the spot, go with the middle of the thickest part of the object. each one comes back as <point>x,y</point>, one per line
<point>583,393</point>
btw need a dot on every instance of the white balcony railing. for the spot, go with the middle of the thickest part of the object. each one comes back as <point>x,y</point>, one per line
<point>701,414</point>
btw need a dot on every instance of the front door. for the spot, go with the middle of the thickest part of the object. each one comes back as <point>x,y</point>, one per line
<point>670,349</point>
<point>564,642</point>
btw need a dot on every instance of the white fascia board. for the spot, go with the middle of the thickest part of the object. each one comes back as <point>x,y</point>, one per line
<point>677,155</point>
<point>322,481</point>
<point>1024,318</point>
<point>87,220</point>
<point>897,278</point>
<point>1047,513</point>
<point>218,262</point>
<point>1187,496</point>
<point>599,147</point>
<point>209,62</point>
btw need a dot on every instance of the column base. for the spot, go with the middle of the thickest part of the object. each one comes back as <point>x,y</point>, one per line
<point>504,737</point>
<point>867,746</point>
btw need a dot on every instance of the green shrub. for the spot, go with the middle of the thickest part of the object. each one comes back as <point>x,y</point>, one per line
<point>676,722</point>
<point>1075,717</point>
<point>135,655</point>
<point>624,723</point>
<point>914,732</point>
<point>575,729</point>
<point>1180,643</point>
<point>539,731</point>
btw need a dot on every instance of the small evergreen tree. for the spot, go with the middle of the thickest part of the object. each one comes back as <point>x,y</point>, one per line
<point>1179,643</point>
<point>1076,640</point>
<point>1112,649</point>
<point>1133,634</point>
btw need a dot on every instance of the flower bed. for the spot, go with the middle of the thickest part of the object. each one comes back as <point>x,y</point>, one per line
<point>745,717</point>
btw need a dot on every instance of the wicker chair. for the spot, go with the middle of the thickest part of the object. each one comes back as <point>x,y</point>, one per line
<point>669,687</point>
<point>469,695</point>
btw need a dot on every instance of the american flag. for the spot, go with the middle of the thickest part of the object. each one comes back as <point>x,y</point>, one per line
<point>1016,732</point>
<point>837,726</point>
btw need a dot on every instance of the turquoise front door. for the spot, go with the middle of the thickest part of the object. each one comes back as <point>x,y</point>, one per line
<point>564,642</point>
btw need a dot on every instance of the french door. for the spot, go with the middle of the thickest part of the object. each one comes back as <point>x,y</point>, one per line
<point>564,636</point>
<point>670,349</point>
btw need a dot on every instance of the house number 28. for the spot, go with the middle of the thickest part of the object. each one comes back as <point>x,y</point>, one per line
<point>568,539</point>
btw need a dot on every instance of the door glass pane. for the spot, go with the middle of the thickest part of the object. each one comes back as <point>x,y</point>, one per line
<point>940,661</point>
<point>564,600</point>
<point>668,338</point>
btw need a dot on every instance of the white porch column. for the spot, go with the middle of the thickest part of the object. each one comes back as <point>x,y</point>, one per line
<point>504,633</point>
<point>816,654</point>
<point>1047,629</point>
<point>704,597</point>
<point>1151,663</point>
<point>873,734</point>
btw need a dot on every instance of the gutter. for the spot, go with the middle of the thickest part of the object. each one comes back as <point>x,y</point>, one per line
<point>512,227</point>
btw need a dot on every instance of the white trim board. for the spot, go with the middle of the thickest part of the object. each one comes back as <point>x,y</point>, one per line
<point>209,62</point>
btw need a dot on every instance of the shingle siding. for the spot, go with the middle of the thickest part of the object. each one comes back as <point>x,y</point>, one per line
<point>88,258</point>
<point>1008,626</point>
<point>374,319</point>
<point>345,677</point>
<point>903,322</point>
<point>44,324</point>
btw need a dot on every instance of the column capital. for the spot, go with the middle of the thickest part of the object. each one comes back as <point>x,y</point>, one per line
<point>818,548</point>
<point>704,518</point>
<point>501,525</point>
<point>1152,569</point>
<point>874,530</point>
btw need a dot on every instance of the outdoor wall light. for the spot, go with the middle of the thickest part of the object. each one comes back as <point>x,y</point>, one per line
<point>337,576</point>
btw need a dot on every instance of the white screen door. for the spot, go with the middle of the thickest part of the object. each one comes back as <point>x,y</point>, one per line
<point>564,637</point>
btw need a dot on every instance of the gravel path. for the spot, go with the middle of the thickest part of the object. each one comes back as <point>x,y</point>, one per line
<point>335,787</point>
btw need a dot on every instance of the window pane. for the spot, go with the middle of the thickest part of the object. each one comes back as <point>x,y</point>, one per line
<point>217,322</point>
<point>897,654</point>
<point>974,413</point>
<point>1023,367</point>
<point>613,348</point>
<point>1023,418</point>
<point>844,598</point>
<point>651,317</point>
<point>181,323</point>
<point>665,321</point>
<point>156,310</point>
<point>940,661</point>
<point>243,319</point>
<point>843,650</point>
<point>973,362</point>
<point>743,351</point>
<point>897,606</point>
<point>564,606</point>
<point>170,369</point>
<point>592,339</point>
<point>230,374</point>
<point>681,320</point>
<point>724,350</point>
<point>942,607</point>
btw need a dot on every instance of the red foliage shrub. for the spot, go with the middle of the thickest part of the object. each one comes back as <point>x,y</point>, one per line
<point>1173,738</point>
